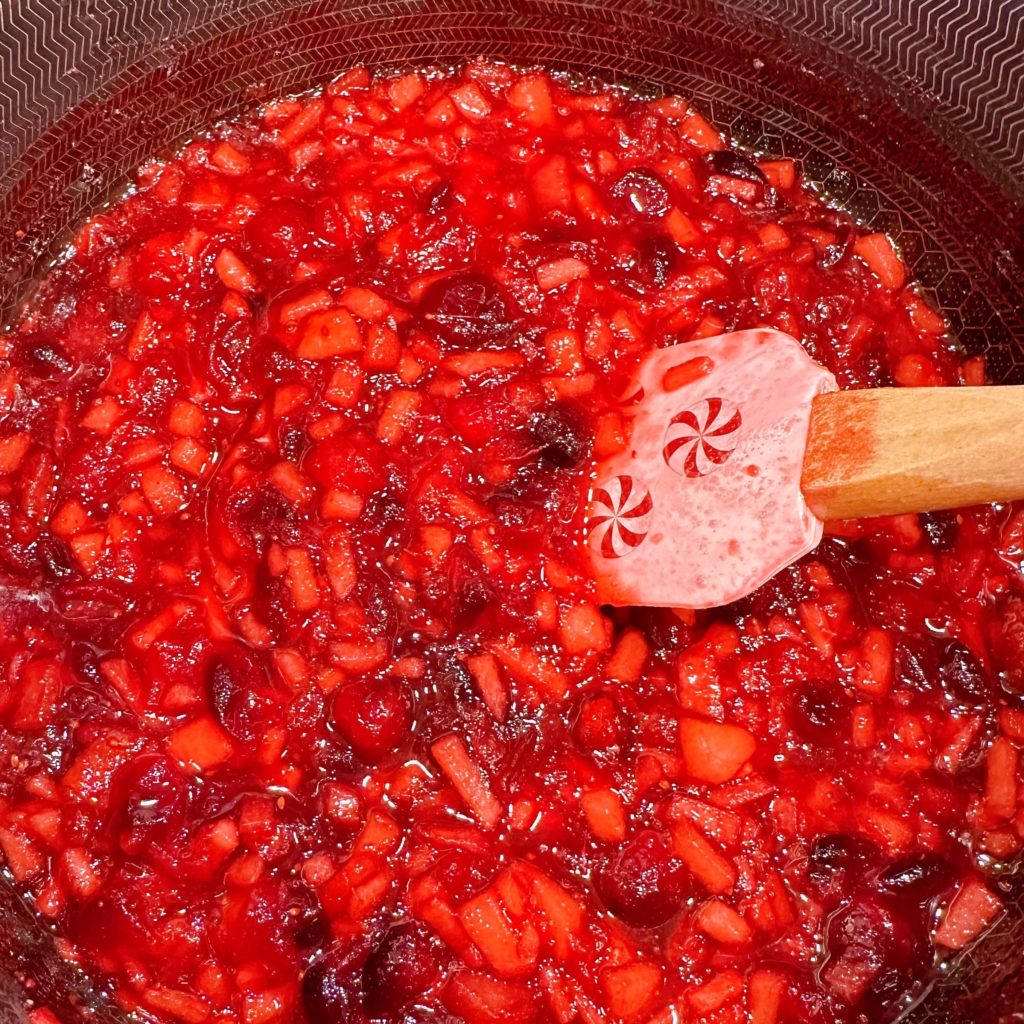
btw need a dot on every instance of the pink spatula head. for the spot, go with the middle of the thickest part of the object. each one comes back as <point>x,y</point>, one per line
<point>704,504</point>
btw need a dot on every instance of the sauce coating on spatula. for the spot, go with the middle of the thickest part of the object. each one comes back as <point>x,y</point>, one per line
<point>704,503</point>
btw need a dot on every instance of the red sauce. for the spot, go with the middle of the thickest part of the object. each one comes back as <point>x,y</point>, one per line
<point>307,713</point>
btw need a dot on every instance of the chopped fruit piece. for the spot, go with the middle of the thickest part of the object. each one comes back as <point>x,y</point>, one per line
<point>717,874</point>
<point>1001,778</point>
<point>328,334</point>
<point>163,490</point>
<point>470,782</point>
<point>714,994</point>
<point>487,676</point>
<point>766,991</point>
<point>560,272</point>
<point>510,950</point>
<point>234,273</point>
<point>720,922</point>
<point>201,744</point>
<point>605,814</point>
<point>23,859</point>
<point>308,713</point>
<point>12,451</point>
<point>584,629</point>
<point>878,253</point>
<point>631,989</point>
<point>714,752</point>
<point>481,999</point>
<point>531,97</point>
<point>971,911</point>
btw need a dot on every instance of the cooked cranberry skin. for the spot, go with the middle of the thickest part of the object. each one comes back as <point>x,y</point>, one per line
<point>462,874</point>
<point>272,921</point>
<point>375,716</point>
<point>819,708</point>
<point>466,310</point>
<point>962,676</point>
<point>839,855</point>
<point>917,877</point>
<point>640,195</point>
<point>330,990</point>
<point>352,460</point>
<point>402,966</point>
<point>238,692</point>
<point>644,884</point>
<point>50,360</point>
<point>161,266</point>
<point>736,165</point>
<point>560,433</point>
<point>657,257</point>
<point>872,953</point>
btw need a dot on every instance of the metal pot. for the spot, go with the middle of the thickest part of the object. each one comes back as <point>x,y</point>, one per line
<point>908,113</point>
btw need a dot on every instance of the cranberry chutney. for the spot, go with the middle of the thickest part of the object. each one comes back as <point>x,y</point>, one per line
<point>308,711</point>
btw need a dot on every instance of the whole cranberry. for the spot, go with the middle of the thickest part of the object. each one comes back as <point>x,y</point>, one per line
<point>467,310</point>
<point>237,687</point>
<point>403,966</point>
<point>643,883</point>
<point>331,988</point>
<point>873,954</point>
<point>375,716</point>
<point>640,195</point>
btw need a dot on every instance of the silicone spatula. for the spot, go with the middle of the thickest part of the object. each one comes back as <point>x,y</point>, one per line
<point>740,447</point>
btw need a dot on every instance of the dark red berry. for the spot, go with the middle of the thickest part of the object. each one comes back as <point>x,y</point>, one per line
<point>643,883</point>
<point>375,716</point>
<point>466,310</point>
<point>640,195</point>
<point>403,966</point>
<point>238,688</point>
<point>330,988</point>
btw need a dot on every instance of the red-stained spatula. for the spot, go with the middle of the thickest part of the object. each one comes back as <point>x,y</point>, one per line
<point>740,448</point>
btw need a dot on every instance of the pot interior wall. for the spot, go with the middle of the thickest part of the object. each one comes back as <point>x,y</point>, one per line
<point>90,89</point>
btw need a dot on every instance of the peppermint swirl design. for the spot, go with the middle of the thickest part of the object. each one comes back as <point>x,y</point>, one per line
<point>700,439</point>
<point>620,515</point>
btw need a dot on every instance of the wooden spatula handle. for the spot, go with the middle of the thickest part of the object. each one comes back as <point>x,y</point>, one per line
<point>887,451</point>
